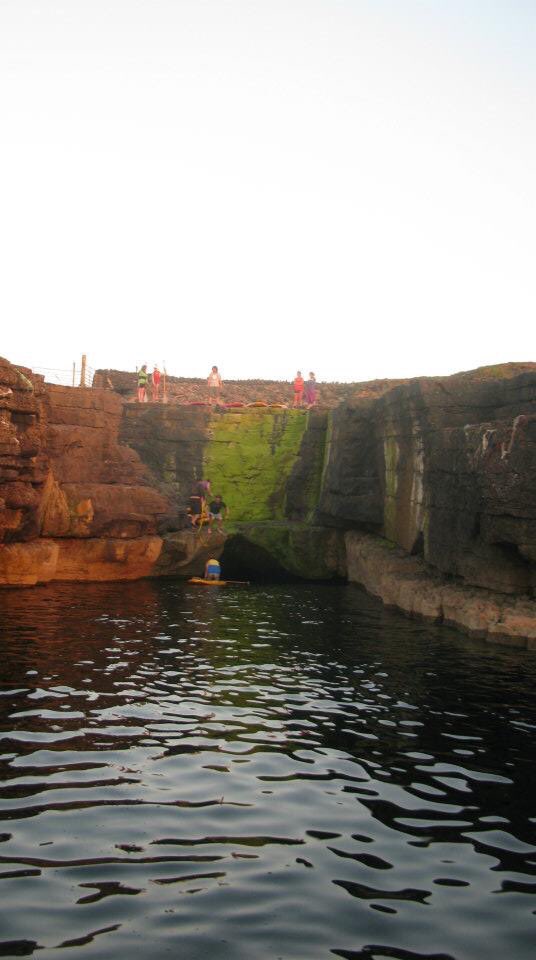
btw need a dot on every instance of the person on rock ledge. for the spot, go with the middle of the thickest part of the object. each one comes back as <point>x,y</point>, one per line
<point>215,384</point>
<point>155,378</point>
<point>197,506</point>
<point>217,509</point>
<point>143,378</point>
<point>310,391</point>
<point>298,390</point>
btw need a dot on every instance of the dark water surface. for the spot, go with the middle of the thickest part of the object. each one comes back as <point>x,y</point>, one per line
<point>278,771</point>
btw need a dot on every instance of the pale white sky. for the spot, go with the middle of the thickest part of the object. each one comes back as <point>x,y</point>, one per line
<point>347,186</point>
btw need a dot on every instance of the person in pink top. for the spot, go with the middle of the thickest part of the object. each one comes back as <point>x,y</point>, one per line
<point>310,391</point>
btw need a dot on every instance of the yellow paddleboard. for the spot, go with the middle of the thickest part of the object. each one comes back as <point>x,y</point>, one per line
<point>207,583</point>
<point>200,581</point>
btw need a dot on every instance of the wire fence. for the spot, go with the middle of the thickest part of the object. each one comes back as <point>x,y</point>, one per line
<point>77,375</point>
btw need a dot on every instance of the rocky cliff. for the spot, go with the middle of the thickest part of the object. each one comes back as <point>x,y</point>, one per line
<point>23,462</point>
<point>266,462</point>
<point>77,504</point>
<point>445,468</point>
<point>96,489</point>
<point>436,474</point>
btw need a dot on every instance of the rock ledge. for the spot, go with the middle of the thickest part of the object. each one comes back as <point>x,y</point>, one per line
<point>406,582</point>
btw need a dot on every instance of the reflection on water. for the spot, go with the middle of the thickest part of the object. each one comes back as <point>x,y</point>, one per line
<point>279,771</point>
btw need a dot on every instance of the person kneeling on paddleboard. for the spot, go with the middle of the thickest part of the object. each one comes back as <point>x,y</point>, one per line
<point>212,570</point>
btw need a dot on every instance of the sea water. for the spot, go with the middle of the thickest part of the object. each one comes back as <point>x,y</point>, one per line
<point>285,771</point>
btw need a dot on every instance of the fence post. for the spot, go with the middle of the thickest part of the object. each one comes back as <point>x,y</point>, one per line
<point>83,371</point>
<point>74,372</point>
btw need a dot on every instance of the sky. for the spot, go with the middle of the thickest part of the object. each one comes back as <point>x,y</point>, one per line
<point>343,186</point>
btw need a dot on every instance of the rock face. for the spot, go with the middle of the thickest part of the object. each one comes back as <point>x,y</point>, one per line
<point>266,463</point>
<point>405,582</point>
<point>185,553</point>
<point>102,489</point>
<point>251,458</point>
<point>445,469</point>
<point>171,441</point>
<point>23,464</point>
<point>282,550</point>
<point>424,491</point>
<point>78,505</point>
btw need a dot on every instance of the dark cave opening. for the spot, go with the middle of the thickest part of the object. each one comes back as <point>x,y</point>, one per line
<point>243,560</point>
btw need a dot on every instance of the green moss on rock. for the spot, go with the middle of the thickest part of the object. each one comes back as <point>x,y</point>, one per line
<point>249,458</point>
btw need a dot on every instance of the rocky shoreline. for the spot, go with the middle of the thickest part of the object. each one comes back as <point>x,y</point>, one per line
<point>407,583</point>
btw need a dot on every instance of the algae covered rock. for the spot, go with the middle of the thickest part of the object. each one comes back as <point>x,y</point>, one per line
<point>249,458</point>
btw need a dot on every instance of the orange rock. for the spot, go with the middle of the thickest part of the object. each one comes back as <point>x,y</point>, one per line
<point>86,502</point>
<point>107,559</point>
<point>26,564</point>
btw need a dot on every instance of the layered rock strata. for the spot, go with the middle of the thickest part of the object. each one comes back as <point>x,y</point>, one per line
<point>77,504</point>
<point>23,461</point>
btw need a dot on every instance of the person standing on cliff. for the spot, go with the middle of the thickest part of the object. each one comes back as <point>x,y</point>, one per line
<point>143,378</point>
<point>298,390</point>
<point>310,391</point>
<point>155,378</point>
<point>215,384</point>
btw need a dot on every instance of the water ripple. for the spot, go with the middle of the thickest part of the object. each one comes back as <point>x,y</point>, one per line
<point>295,763</point>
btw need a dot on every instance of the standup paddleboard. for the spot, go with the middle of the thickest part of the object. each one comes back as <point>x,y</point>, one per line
<point>215,583</point>
<point>207,583</point>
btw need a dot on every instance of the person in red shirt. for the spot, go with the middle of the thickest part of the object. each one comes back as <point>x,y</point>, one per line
<point>298,389</point>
